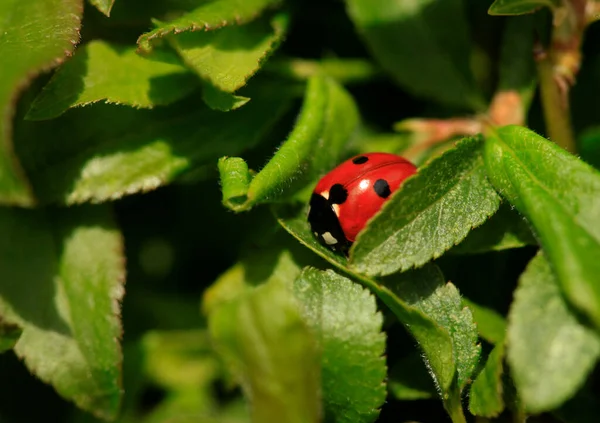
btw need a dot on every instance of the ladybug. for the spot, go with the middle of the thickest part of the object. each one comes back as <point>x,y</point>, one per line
<point>346,198</point>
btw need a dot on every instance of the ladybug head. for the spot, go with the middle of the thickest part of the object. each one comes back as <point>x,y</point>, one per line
<point>325,224</point>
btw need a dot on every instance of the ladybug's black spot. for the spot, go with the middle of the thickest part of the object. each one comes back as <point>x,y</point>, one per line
<point>360,160</point>
<point>338,194</point>
<point>382,188</point>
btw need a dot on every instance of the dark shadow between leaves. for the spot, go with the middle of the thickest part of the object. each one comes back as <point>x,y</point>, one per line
<point>429,278</point>
<point>438,67</point>
<point>29,268</point>
<point>166,89</point>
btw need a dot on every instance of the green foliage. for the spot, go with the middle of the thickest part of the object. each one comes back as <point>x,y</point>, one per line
<point>327,119</point>
<point>141,149</point>
<point>114,73</point>
<point>429,308</point>
<point>433,211</point>
<point>439,48</point>
<point>202,127</point>
<point>549,351</point>
<point>345,319</point>
<point>228,57</point>
<point>40,35</point>
<point>558,194</point>
<point>206,16</point>
<point>71,263</point>
<point>504,230</point>
<point>271,352</point>
<point>486,392</point>
<point>103,6</point>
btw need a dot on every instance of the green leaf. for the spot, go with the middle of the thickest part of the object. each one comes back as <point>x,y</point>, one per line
<point>78,157</point>
<point>504,230</point>
<point>408,380</point>
<point>344,317</point>
<point>550,352</point>
<point>103,6</point>
<point>9,335</point>
<point>228,57</point>
<point>114,73</point>
<point>343,70</point>
<point>433,211</point>
<point>327,120</point>
<point>560,196</point>
<point>490,324</point>
<point>441,302</point>
<point>180,360</point>
<point>486,392</point>
<point>447,337</point>
<point>35,36</point>
<point>209,15</point>
<point>520,7</point>
<point>221,100</point>
<point>416,43</point>
<point>72,259</point>
<point>257,268</point>
<point>272,352</point>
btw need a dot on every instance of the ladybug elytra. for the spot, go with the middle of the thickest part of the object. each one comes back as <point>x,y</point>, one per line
<point>346,198</point>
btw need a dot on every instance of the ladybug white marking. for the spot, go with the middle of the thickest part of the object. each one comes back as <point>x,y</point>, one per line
<point>336,209</point>
<point>325,195</point>
<point>329,239</point>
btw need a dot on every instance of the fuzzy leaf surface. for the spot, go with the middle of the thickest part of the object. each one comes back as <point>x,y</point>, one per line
<point>560,197</point>
<point>35,36</point>
<point>426,285</point>
<point>73,260</point>
<point>550,352</point>
<point>113,73</point>
<point>327,120</point>
<point>272,353</point>
<point>206,16</point>
<point>344,317</point>
<point>441,302</point>
<point>438,47</point>
<point>433,211</point>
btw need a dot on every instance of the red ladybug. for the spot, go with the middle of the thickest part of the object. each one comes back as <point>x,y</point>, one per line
<point>347,197</point>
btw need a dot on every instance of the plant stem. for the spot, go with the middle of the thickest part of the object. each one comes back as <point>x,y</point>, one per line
<point>555,106</point>
<point>454,408</point>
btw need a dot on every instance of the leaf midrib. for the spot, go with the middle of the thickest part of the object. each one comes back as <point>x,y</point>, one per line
<point>543,187</point>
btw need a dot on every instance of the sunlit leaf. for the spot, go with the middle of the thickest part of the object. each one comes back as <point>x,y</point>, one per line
<point>113,73</point>
<point>560,197</point>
